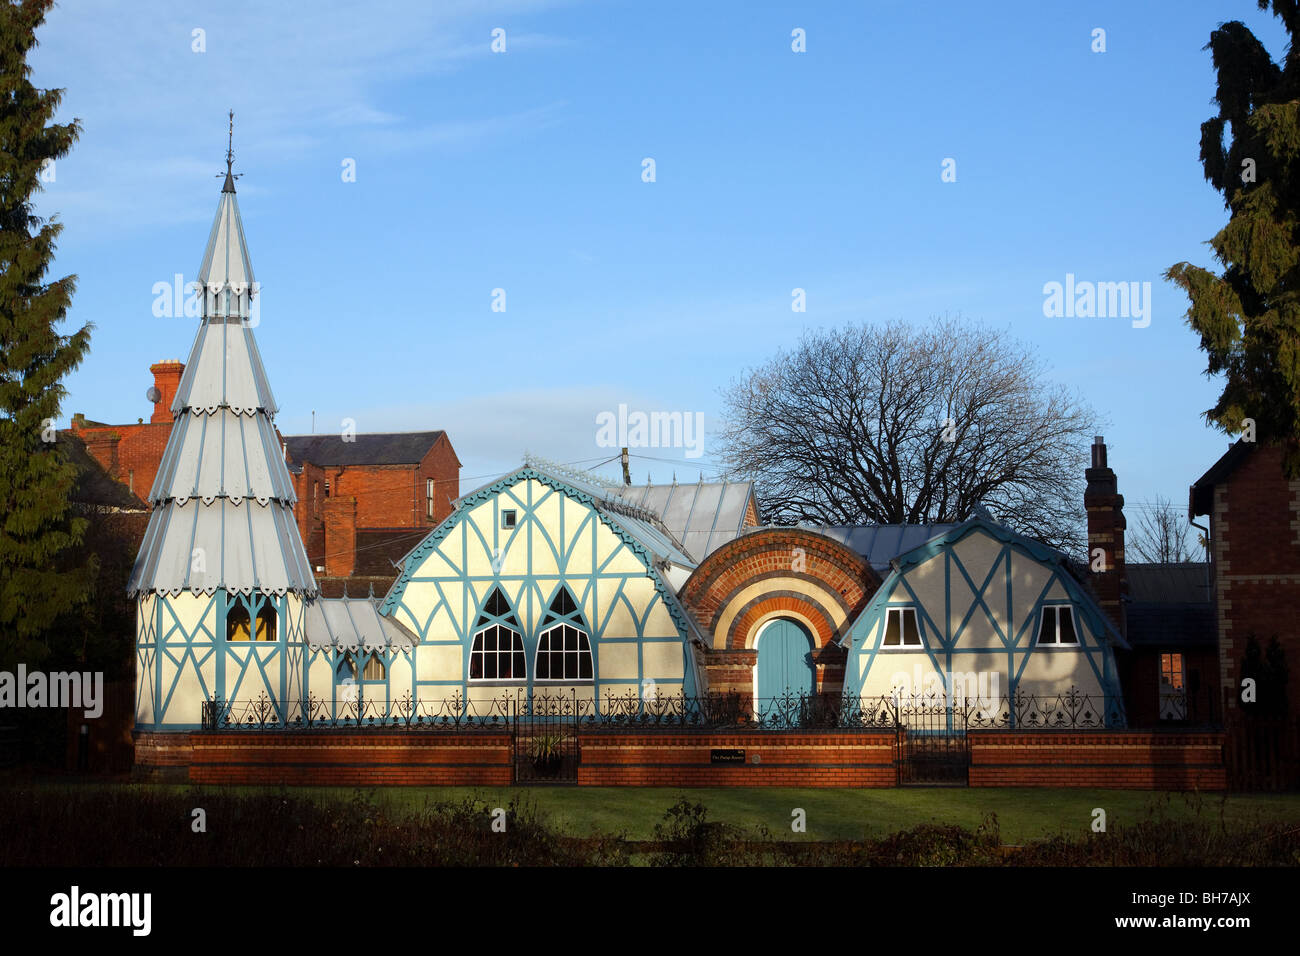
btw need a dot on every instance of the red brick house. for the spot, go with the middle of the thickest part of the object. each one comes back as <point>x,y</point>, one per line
<point>1169,672</point>
<point>363,500</point>
<point>366,500</point>
<point>1254,533</point>
<point>131,453</point>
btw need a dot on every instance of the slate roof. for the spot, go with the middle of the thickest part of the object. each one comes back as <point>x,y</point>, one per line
<point>1184,583</point>
<point>1201,494</point>
<point>384,448</point>
<point>94,485</point>
<point>703,516</point>
<point>1170,605</point>
<point>1163,625</point>
<point>881,543</point>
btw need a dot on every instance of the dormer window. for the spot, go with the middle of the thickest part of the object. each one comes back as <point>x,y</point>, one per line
<point>900,628</point>
<point>1057,626</point>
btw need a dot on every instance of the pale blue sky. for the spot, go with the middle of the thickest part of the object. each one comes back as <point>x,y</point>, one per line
<point>522,171</point>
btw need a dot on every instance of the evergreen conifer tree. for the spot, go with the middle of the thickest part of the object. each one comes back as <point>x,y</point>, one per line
<point>1248,317</point>
<point>38,528</point>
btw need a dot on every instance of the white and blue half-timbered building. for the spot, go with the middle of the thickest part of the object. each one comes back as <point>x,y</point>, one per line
<point>550,583</point>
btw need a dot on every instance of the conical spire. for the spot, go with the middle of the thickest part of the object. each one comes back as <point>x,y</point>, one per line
<point>223,498</point>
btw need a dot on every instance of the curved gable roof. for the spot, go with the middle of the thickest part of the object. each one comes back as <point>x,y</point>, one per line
<point>1035,549</point>
<point>653,544</point>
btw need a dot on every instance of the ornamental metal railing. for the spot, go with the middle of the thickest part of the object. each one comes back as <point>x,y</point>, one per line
<point>923,714</point>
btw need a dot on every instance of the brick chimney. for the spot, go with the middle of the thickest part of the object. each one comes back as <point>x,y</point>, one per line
<point>1105,507</point>
<point>166,378</point>
<point>102,446</point>
<point>340,536</point>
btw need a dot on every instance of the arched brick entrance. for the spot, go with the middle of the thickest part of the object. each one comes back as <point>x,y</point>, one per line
<point>771,573</point>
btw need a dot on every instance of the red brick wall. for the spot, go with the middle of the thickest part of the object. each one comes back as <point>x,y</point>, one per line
<point>1106,525</point>
<point>1127,760</point>
<point>1109,759</point>
<point>162,756</point>
<point>786,759</point>
<point>385,494</point>
<point>340,535</point>
<point>1140,678</point>
<point>730,672</point>
<point>138,452</point>
<point>442,465</point>
<point>309,512</point>
<point>379,758</point>
<point>395,496</point>
<point>1255,533</point>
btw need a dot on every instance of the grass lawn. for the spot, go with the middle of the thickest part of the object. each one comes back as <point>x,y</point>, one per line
<point>1023,813</point>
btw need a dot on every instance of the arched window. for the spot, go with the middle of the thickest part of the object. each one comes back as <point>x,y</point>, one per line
<point>563,647</point>
<point>498,649</point>
<point>239,619</point>
<point>375,669</point>
<point>346,669</point>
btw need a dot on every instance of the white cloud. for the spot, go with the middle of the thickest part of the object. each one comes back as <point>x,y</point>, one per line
<point>492,432</point>
<point>153,111</point>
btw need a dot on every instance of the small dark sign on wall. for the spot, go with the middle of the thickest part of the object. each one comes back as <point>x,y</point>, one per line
<point>726,756</point>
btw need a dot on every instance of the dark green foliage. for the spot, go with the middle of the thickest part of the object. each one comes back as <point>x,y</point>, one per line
<point>687,838</point>
<point>148,826</point>
<point>37,526</point>
<point>152,826</point>
<point>1248,317</point>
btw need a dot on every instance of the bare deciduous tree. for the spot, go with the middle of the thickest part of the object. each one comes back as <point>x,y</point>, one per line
<point>1162,535</point>
<point>894,424</point>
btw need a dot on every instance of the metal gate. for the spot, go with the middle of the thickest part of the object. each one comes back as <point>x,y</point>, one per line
<point>932,746</point>
<point>545,739</point>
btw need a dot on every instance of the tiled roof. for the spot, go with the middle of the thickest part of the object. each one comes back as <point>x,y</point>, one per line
<point>1183,583</point>
<point>1187,625</point>
<point>385,448</point>
<point>94,485</point>
<point>1169,605</point>
<point>1201,496</point>
<point>881,543</point>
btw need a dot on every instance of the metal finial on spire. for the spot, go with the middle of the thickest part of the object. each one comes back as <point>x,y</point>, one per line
<point>229,186</point>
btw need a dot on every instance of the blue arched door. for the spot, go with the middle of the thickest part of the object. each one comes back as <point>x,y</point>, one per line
<point>784,660</point>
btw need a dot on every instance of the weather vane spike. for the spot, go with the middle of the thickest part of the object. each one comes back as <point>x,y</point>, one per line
<point>230,157</point>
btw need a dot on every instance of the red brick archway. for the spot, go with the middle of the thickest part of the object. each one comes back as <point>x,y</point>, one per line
<point>777,572</point>
<point>842,577</point>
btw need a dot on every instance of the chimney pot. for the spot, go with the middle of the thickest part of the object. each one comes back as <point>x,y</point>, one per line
<point>1099,452</point>
<point>167,379</point>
